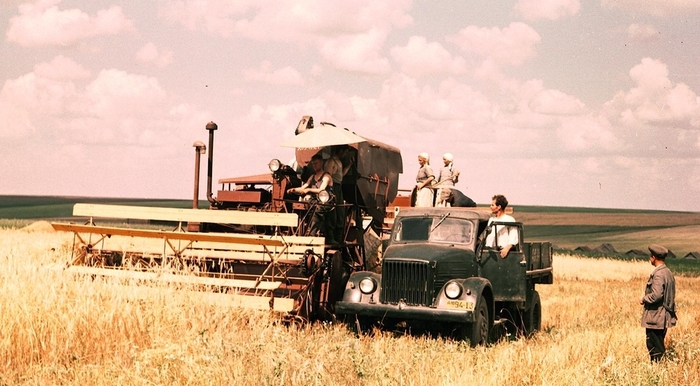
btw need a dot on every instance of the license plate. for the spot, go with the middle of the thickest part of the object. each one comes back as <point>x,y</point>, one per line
<point>460,305</point>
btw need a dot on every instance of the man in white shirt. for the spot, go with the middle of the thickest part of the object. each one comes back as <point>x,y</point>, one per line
<point>507,236</point>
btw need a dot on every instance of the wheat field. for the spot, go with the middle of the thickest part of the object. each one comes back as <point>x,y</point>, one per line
<point>56,329</point>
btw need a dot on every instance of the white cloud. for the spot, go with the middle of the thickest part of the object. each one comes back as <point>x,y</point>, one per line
<point>450,105</point>
<point>555,102</point>
<point>266,74</point>
<point>38,97</point>
<point>149,53</point>
<point>15,122</point>
<point>348,35</point>
<point>61,68</point>
<point>54,103</point>
<point>586,135</point>
<point>356,53</point>
<point>523,119</point>
<point>215,17</point>
<point>531,121</point>
<point>342,106</point>
<point>547,9</point>
<point>418,57</point>
<point>28,102</point>
<point>642,32</point>
<point>512,45</point>
<point>530,105</point>
<point>44,24</point>
<point>650,75</point>
<point>288,21</point>
<point>11,4</point>
<point>116,94</point>
<point>655,7</point>
<point>655,99</point>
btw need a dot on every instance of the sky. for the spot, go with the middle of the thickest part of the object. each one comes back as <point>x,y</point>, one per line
<point>550,102</point>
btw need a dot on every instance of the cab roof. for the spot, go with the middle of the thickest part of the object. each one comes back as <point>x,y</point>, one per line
<point>466,213</point>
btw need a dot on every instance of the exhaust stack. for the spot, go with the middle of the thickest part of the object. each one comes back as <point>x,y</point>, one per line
<point>211,127</point>
<point>199,149</point>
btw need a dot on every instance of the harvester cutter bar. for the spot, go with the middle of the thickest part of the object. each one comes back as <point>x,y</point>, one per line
<point>232,299</point>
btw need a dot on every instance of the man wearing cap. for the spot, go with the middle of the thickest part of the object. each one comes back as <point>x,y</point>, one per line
<point>659,303</point>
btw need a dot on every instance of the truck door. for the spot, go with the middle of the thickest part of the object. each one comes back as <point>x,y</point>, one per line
<point>507,275</point>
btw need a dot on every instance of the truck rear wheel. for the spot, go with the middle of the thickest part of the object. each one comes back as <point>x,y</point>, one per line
<point>478,332</point>
<point>533,316</point>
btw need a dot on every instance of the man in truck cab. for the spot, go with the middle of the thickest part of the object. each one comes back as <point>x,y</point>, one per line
<point>502,237</point>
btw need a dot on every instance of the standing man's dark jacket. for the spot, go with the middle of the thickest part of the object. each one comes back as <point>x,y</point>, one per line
<point>659,300</point>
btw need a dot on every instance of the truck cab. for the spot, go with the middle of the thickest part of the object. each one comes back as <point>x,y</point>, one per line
<point>438,272</point>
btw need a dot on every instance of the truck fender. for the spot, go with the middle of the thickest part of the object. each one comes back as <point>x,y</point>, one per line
<point>352,293</point>
<point>473,289</point>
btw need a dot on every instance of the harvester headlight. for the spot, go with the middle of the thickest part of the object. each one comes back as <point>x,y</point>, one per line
<point>324,196</point>
<point>368,285</point>
<point>453,290</point>
<point>274,165</point>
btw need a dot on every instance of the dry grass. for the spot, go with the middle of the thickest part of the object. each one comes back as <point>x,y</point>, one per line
<point>62,330</point>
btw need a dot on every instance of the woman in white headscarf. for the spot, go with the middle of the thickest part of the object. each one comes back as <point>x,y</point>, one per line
<point>424,181</point>
<point>447,180</point>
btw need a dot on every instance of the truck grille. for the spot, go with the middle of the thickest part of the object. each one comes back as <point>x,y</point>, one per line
<point>410,281</point>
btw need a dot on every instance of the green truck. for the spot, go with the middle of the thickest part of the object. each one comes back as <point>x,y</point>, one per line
<point>442,271</point>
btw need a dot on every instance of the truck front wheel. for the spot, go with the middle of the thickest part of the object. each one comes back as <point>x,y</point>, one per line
<point>478,332</point>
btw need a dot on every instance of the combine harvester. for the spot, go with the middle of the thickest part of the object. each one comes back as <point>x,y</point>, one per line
<point>252,247</point>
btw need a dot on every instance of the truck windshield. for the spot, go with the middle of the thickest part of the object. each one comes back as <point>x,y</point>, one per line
<point>444,230</point>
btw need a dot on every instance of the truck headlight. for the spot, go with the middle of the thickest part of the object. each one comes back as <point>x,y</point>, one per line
<point>453,290</point>
<point>368,285</point>
<point>274,165</point>
<point>324,196</point>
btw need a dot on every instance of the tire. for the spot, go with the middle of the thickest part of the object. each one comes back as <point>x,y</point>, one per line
<point>477,332</point>
<point>311,309</point>
<point>532,318</point>
<point>338,278</point>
